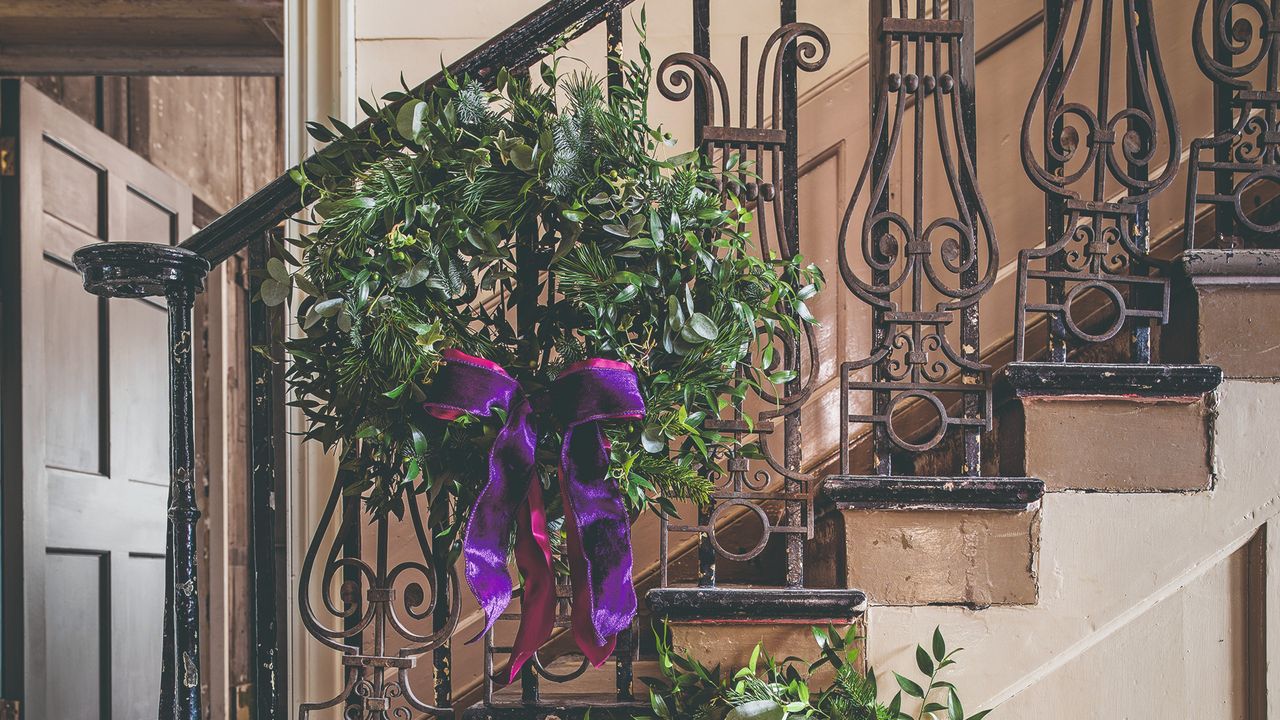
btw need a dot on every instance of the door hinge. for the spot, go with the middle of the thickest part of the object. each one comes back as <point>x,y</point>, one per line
<point>10,710</point>
<point>8,168</point>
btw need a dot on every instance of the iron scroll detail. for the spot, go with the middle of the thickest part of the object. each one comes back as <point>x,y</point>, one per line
<point>1235,171</point>
<point>1095,165</point>
<point>923,267</point>
<point>756,146</point>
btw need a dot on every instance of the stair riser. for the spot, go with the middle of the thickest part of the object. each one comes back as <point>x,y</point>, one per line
<point>1110,444</point>
<point>1233,326</point>
<point>730,644</point>
<point>936,556</point>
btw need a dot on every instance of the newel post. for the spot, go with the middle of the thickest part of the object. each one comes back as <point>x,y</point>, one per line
<point>135,270</point>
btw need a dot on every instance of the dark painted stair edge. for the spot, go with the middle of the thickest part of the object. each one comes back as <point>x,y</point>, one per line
<point>757,605</point>
<point>1231,267</point>
<point>1148,381</point>
<point>568,710</point>
<point>932,493</point>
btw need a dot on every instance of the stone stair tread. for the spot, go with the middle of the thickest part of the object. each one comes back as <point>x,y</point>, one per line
<point>757,604</point>
<point>1131,380</point>
<point>924,493</point>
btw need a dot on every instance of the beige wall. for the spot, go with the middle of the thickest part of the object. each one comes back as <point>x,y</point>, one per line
<point>399,36</point>
<point>1149,604</point>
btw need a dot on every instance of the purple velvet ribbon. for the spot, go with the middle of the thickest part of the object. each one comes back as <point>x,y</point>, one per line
<point>583,396</point>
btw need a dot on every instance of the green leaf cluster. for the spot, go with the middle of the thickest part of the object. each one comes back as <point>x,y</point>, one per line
<point>467,206</point>
<point>772,689</point>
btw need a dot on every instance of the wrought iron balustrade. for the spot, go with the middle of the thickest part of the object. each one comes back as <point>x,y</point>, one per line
<point>1235,173</point>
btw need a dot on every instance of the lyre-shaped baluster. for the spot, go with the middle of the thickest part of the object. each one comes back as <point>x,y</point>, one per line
<point>924,260</point>
<point>757,146</point>
<point>1100,162</point>
<point>1236,171</point>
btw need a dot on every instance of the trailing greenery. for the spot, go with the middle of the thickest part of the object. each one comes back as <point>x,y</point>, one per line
<point>771,689</point>
<point>544,200</point>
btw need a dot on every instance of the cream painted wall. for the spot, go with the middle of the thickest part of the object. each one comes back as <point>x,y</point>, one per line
<point>1141,596</point>
<point>404,36</point>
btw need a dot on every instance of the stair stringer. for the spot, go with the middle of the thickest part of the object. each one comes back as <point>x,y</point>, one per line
<point>1115,565</point>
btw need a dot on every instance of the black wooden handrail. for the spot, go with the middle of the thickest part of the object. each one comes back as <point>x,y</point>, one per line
<point>518,46</point>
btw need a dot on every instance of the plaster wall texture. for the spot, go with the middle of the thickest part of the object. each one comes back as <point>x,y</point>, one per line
<point>405,36</point>
<point>1149,603</point>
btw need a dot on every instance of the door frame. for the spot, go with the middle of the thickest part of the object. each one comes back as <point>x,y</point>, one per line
<point>13,442</point>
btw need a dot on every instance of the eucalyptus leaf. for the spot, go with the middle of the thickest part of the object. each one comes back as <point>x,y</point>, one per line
<point>758,710</point>
<point>277,270</point>
<point>273,293</point>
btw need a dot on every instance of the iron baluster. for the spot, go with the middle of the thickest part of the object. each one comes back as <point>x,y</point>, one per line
<point>763,135</point>
<point>379,607</point>
<point>1243,155</point>
<point>921,270</point>
<point>265,425</point>
<point>1096,165</point>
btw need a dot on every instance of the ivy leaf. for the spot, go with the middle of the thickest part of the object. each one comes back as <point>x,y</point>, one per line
<point>618,230</point>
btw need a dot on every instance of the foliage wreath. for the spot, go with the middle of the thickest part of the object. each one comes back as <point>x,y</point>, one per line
<point>430,235</point>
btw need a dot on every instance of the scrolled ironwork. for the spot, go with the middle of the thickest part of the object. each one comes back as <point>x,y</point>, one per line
<point>1096,163</point>
<point>757,148</point>
<point>371,608</point>
<point>1240,162</point>
<point>921,267</point>
<point>539,677</point>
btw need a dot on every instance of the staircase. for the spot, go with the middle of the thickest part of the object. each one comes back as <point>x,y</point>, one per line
<point>1064,454</point>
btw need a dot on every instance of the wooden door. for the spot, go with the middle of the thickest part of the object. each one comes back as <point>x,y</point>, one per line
<point>85,421</point>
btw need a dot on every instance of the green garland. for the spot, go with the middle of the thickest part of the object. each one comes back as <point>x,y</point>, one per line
<point>419,238</point>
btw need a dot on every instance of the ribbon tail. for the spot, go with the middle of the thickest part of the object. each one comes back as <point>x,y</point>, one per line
<point>604,598</point>
<point>487,542</point>
<point>595,648</point>
<point>538,602</point>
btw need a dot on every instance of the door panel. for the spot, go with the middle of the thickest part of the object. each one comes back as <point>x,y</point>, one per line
<point>94,418</point>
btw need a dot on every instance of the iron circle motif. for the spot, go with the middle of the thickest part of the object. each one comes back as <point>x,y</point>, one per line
<point>766,530</point>
<point>944,420</point>
<point>1266,175</point>
<point>1116,299</point>
<point>556,677</point>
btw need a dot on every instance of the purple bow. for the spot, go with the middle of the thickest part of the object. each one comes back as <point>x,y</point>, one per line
<point>584,395</point>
